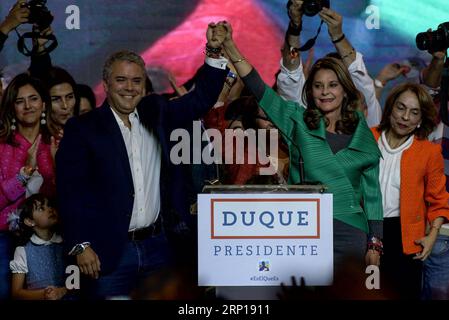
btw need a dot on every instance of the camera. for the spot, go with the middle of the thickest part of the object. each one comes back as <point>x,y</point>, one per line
<point>312,7</point>
<point>39,13</point>
<point>432,41</point>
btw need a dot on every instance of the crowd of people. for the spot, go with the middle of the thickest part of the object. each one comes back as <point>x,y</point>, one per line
<point>95,187</point>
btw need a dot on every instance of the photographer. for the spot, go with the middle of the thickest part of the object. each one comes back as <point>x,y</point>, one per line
<point>435,268</point>
<point>17,15</point>
<point>291,78</point>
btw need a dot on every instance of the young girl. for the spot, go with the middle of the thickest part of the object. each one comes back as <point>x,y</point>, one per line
<point>38,266</point>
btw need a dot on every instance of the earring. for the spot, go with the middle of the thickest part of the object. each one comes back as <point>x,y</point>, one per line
<point>13,124</point>
<point>43,121</point>
<point>418,126</point>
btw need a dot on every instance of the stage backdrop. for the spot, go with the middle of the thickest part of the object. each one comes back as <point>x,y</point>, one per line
<point>170,34</point>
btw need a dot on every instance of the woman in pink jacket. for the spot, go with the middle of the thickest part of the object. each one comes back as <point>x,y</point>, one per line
<point>26,157</point>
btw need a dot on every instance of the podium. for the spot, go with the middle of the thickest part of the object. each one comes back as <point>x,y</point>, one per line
<point>252,238</point>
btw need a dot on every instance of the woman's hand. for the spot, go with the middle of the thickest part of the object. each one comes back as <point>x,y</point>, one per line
<point>372,257</point>
<point>31,161</point>
<point>334,22</point>
<point>16,16</point>
<point>228,29</point>
<point>295,11</point>
<point>54,144</point>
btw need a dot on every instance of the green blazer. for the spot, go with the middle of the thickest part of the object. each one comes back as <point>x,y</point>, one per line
<point>351,175</point>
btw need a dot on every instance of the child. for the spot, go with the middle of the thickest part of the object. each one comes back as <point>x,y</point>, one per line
<point>38,266</point>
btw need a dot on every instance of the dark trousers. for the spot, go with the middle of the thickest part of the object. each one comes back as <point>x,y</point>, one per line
<point>5,257</point>
<point>140,259</point>
<point>401,275</point>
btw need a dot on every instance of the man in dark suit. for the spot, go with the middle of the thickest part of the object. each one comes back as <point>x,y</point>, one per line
<point>115,180</point>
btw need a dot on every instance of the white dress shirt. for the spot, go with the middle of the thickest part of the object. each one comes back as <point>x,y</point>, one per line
<point>290,83</point>
<point>144,155</point>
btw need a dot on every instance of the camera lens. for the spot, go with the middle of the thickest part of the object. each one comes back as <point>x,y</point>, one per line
<point>423,41</point>
<point>312,7</point>
<point>437,40</point>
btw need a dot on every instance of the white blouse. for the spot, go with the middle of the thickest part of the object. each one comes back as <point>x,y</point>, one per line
<point>390,175</point>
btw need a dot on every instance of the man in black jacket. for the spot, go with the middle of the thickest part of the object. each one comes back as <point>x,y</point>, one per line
<point>115,180</point>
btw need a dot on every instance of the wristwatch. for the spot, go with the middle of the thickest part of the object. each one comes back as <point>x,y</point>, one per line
<point>79,248</point>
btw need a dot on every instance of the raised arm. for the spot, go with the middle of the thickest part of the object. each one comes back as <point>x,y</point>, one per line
<point>276,108</point>
<point>208,83</point>
<point>389,72</point>
<point>41,62</point>
<point>16,16</point>
<point>432,73</point>
<point>334,23</point>
<point>291,79</point>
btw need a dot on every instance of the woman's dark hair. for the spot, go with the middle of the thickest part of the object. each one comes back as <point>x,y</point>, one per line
<point>84,91</point>
<point>428,110</point>
<point>7,108</point>
<point>57,76</point>
<point>26,212</point>
<point>351,103</point>
<point>244,109</point>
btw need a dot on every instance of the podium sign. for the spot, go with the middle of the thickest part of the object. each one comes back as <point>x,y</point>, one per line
<point>264,239</point>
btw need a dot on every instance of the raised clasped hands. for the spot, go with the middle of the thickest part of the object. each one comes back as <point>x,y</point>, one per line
<point>219,34</point>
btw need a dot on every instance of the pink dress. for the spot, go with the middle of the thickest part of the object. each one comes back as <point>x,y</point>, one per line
<point>12,192</point>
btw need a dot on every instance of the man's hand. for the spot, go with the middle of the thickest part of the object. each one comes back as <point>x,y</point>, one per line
<point>17,15</point>
<point>295,12</point>
<point>216,34</point>
<point>334,22</point>
<point>89,263</point>
<point>427,243</point>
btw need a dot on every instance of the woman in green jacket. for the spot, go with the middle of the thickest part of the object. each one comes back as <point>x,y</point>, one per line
<point>337,148</point>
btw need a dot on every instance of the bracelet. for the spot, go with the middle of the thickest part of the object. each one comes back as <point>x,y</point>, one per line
<point>378,83</point>
<point>348,54</point>
<point>433,226</point>
<point>237,61</point>
<point>338,39</point>
<point>213,55</point>
<point>293,29</point>
<point>210,49</point>
<point>376,244</point>
<point>22,179</point>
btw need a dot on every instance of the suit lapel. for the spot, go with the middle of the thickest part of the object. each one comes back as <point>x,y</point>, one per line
<point>362,137</point>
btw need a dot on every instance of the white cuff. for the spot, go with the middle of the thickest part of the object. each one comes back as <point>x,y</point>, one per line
<point>217,63</point>
<point>358,64</point>
<point>34,184</point>
<point>295,74</point>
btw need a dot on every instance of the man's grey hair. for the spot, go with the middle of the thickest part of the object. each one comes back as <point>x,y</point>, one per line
<point>124,55</point>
